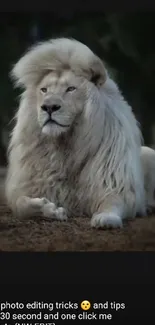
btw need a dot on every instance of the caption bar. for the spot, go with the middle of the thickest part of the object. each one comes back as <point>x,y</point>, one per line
<point>43,313</point>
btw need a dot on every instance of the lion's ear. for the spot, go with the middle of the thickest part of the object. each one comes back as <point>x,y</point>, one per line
<point>98,73</point>
<point>97,79</point>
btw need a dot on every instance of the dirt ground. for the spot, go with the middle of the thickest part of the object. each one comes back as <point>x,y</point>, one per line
<point>73,235</point>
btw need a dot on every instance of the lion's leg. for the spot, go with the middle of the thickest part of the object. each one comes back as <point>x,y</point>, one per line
<point>27,207</point>
<point>109,214</point>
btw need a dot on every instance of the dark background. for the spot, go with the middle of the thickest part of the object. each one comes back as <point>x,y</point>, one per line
<point>125,41</point>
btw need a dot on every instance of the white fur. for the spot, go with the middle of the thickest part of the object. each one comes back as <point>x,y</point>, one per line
<point>106,220</point>
<point>93,167</point>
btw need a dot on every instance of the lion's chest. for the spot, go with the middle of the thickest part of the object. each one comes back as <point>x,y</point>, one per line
<point>65,191</point>
<point>53,176</point>
<point>65,187</point>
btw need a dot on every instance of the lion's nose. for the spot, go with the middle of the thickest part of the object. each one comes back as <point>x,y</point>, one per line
<point>50,108</point>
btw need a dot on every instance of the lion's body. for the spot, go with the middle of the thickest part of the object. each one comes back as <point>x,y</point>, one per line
<point>94,168</point>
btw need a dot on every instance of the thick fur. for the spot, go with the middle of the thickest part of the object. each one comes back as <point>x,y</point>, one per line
<point>91,167</point>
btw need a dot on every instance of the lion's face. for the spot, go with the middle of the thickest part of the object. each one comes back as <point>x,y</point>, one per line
<point>61,97</point>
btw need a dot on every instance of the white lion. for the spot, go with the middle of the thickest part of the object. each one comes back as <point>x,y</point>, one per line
<point>76,146</point>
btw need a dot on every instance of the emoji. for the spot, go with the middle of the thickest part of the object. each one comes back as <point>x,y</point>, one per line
<point>85,305</point>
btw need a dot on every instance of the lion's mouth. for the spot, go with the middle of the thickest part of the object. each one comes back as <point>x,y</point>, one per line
<point>51,121</point>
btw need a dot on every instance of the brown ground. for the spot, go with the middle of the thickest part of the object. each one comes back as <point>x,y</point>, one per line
<point>73,235</point>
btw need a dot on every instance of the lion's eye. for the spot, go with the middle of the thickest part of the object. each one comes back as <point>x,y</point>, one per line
<point>70,89</point>
<point>43,90</point>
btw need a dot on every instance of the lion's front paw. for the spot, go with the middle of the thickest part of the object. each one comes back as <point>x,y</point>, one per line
<point>61,214</point>
<point>106,220</point>
<point>50,211</point>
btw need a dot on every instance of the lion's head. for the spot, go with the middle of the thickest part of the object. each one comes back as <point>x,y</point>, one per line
<point>63,73</point>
